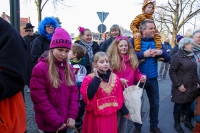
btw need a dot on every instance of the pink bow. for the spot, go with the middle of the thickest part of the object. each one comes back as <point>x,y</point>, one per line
<point>121,38</point>
<point>81,29</point>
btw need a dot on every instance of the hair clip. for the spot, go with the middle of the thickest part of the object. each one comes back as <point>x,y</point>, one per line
<point>121,37</point>
<point>81,29</point>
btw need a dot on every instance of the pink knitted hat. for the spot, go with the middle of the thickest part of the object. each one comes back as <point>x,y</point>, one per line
<point>61,39</point>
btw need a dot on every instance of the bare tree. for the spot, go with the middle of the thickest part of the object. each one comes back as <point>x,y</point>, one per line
<point>175,14</point>
<point>40,4</point>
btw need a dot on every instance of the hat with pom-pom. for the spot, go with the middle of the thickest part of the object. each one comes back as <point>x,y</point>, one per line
<point>178,38</point>
<point>61,39</point>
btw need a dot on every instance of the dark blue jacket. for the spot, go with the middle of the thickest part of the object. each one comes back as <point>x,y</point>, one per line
<point>105,45</point>
<point>167,46</point>
<point>149,67</point>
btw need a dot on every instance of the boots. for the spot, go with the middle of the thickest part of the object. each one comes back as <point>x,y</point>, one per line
<point>197,128</point>
<point>187,122</point>
<point>177,125</point>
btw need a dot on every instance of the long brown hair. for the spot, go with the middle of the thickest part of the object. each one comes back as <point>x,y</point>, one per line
<point>54,74</point>
<point>114,56</point>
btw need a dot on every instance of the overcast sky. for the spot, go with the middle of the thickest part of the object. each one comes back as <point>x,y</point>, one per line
<point>83,12</point>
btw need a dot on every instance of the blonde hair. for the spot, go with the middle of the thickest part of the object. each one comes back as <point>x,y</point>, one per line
<point>114,56</point>
<point>99,55</point>
<point>54,74</point>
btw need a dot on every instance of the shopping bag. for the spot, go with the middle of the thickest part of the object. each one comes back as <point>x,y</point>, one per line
<point>133,101</point>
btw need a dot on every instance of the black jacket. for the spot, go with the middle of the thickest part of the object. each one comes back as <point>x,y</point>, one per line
<point>104,46</point>
<point>28,39</point>
<point>38,46</point>
<point>13,61</point>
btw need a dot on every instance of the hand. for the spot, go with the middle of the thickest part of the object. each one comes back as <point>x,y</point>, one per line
<point>70,122</point>
<point>148,53</point>
<point>62,127</point>
<point>137,35</point>
<point>168,50</point>
<point>127,116</point>
<point>182,88</point>
<point>143,79</point>
<point>156,52</point>
<point>95,72</point>
<point>123,81</point>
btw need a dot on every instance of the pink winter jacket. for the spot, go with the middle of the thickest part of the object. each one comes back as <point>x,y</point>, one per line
<point>53,106</point>
<point>129,74</point>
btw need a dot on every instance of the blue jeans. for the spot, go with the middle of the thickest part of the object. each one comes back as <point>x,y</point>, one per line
<point>122,123</point>
<point>152,90</point>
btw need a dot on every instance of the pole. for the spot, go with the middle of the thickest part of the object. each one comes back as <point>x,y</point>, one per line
<point>101,26</point>
<point>15,14</point>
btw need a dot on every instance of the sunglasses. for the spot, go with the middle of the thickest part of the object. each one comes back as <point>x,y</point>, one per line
<point>28,30</point>
<point>50,26</point>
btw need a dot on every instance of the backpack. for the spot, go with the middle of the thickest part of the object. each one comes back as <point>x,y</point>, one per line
<point>80,72</point>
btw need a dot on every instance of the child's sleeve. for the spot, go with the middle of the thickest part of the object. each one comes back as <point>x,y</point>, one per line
<point>138,74</point>
<point>90,103</point>
<point>73,102</point>
<point>135,24</point>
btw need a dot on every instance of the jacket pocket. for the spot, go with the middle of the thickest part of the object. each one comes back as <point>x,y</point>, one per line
<point>3,124</point>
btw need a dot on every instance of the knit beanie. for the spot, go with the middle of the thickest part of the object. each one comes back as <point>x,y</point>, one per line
<point>178,38</point>
<point>146,2</point>
<point>61,39</point>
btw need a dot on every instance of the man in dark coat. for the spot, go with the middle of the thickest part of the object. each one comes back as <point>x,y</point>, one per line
<point>30,36</point>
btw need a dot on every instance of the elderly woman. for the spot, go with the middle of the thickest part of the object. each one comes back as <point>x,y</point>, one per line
<point>183,73</point>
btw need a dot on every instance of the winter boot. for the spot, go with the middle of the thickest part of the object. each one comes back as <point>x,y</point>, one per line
<point>196,128</point>
<point>177,125</point>
<point>187,122</point>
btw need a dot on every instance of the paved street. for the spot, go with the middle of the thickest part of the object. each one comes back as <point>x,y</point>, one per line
<point>165,115</point>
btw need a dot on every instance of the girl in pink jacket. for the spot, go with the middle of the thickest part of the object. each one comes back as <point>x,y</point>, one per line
<point>53,91</point>
<point>124,63</point>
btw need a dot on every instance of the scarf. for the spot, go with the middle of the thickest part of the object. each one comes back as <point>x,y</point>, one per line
<point>89,49</point>
<point>188,53</point>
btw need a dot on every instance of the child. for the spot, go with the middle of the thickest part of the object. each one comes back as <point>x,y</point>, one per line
<point>102,93</point>
<point>79,62</point>
<point>148,10</point>
<point>53,91</point>
<point>195,107</point>
<point>124,63</point>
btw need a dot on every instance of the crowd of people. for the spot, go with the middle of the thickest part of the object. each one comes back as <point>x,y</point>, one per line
<point>81,84</point>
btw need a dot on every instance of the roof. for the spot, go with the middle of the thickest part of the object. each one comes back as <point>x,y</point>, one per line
<point>23,22</point>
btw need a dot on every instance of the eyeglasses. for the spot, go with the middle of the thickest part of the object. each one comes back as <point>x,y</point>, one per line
<point>28,30</point>
<point>50,26</point>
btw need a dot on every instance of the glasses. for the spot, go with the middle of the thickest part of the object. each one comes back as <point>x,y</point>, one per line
<point>28,30</point>
<point>50,26</point>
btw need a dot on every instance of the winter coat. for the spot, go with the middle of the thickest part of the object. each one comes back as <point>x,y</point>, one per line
<point>149,67</point>
<point>105,45</point>
<point>38,46</point>
<point>129,74</point>
<point>28,39</point>
<point>183,70</point>
<point>95,49</point>
<point>52,106</point>
<point>13,65</point>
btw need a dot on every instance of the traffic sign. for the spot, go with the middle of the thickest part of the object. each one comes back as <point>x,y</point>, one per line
<point>102,16</point>
<point>101,28</point>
